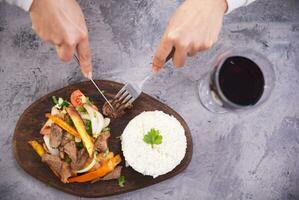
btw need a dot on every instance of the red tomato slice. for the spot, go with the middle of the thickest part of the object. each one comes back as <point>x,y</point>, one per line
<point>76,98</point>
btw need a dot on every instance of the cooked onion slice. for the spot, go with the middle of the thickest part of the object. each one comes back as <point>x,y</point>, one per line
<point>106,122</point>
<point>91,164</point>
<point>52,151</point>
<point>97,120</point>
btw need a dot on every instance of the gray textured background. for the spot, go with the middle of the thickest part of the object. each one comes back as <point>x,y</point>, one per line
<point>249,156</point>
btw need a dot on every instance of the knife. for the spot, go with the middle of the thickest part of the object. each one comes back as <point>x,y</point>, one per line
<point>94,83</point>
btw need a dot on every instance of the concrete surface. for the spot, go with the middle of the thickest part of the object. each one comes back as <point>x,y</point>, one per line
<point>246,156</point>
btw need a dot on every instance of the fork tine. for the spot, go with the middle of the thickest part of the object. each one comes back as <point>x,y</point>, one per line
<point>130,101</point>
<point>126,99</point>
<point>123,89</point>
<point>123,102</point>
<point>116,97</point>
<point>123,96</point>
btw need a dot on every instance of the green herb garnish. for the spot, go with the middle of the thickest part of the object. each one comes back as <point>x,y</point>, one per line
<point>54,99</point>
<point>121,181</point>
<point>67,159</point>
<point>153,137</point>
<point>88,128</point>
<point>60,103</point>
<point>81,109</point>
<point>79,145</point>
<point>88,101</point>
<point>64,104</point>
<point>106,129</point>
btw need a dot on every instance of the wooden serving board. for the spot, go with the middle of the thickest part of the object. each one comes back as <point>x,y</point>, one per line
<point>33,118</point>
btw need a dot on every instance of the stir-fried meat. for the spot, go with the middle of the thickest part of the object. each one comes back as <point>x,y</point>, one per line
<point>65,140</point>
<point>53,161</point>
<point>61,152</point>
<point>60,168</point>
<point>115,113</point>
<point>101,143</point>
<point>65,172</point>
<point>55,136</point>
<point>46,130</point>
<point>71,150</point>
<point>82,157</point>
<point>115,174</point>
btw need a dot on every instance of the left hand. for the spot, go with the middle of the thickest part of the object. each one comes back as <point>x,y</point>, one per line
<point>194,27</point>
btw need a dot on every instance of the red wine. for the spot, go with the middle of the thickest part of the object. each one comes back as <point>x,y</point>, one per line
<point>241,81</point>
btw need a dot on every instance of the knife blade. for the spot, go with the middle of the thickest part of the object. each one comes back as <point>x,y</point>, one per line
<point>94,83</point>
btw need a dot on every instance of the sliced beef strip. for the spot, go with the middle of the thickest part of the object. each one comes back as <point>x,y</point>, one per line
<point>53,161</point>
<point>55,136</point>
<point>115,174</point>
<point>101,143</point>
<point>65,140</point>
<point>61,152</point>
<point>60,168</point>
<point>82,157</point>
<point>71,149</point>
<point>116,112</point>
<point>65,172</point>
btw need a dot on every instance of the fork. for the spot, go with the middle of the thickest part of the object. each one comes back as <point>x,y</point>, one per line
<point>132,90</point>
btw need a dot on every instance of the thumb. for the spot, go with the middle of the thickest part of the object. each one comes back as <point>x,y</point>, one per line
<point>84,56</point>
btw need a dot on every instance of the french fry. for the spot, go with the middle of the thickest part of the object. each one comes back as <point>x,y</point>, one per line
<point>38,148</point>
<point>87,140</point>
<point>63,124</point>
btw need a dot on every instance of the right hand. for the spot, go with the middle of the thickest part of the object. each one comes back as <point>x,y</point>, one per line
<point>194,27</point>
<point>61,22</point>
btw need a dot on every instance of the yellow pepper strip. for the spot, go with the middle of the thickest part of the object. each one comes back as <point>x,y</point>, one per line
<point>39,149</point>
<point>63,125</point>
<point>102,157</point>
<point>107,167</point>
<point>87,140</point>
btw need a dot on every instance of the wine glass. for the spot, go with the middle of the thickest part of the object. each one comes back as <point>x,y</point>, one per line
<point>240,79</point>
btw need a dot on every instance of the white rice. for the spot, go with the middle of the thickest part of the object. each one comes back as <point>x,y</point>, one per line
<point>164,157</point>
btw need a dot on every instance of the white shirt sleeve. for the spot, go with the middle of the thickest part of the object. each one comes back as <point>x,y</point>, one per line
<point>233,4</point>
<point>24,4</point>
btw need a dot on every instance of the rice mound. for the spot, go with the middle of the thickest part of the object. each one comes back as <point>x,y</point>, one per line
<point>164,157</point>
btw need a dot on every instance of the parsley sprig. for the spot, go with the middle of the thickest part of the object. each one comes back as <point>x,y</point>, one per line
<point>153,137</point>
<point>60,103</point>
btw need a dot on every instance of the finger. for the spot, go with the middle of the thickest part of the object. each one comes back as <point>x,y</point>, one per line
<point>179,57</point>
<point>190,54</point>
<point>194,50</point>
<point>161,54</point>
<point>84,56</point>
<point>65,52</point>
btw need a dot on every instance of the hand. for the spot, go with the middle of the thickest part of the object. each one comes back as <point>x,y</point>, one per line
<point>62,23</point>
<point>194,27</point>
